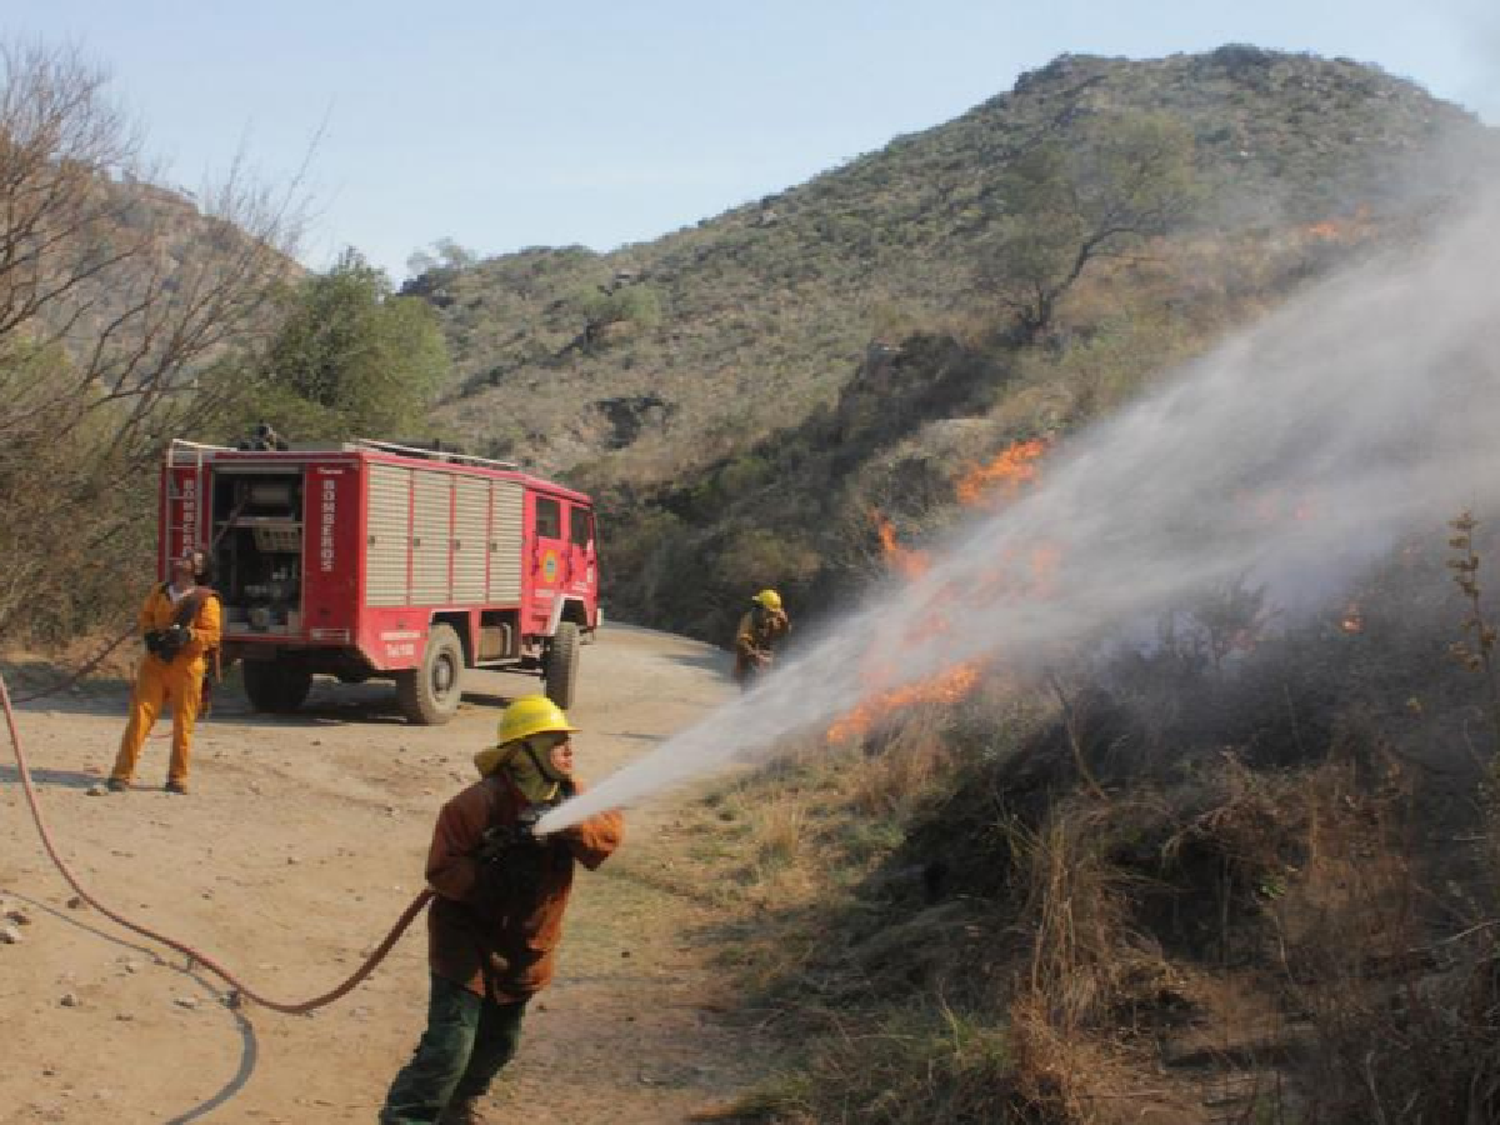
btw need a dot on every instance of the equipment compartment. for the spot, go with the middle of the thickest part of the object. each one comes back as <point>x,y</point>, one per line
<point>258,526</point>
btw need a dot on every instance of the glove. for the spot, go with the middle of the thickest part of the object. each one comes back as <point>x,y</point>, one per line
<point>500,839</point>
<point>511,858</point>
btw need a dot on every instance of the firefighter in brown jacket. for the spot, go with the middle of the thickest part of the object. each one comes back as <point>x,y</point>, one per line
<point>755,639</point>
<point>496,921</point>
<point>180,625</point>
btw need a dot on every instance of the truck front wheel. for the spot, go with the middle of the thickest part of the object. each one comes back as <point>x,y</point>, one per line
<point>277,688</point>
<point>429,695</point>
<point>560,666</point>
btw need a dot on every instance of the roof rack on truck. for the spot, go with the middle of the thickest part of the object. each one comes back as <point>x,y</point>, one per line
<point>432,454</point>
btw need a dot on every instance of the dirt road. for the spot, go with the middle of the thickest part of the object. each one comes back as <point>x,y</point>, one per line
<point>303,839</point>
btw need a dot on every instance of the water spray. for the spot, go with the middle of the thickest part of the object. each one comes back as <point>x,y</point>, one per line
<point>1292,455</point>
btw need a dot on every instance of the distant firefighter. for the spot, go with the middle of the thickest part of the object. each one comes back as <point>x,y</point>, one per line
<point>759,632</point>
<point>180,627</point>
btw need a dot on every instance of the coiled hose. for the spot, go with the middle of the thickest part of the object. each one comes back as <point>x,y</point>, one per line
<point>239,991</point>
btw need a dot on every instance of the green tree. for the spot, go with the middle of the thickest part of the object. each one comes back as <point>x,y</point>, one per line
<point>351,358</point>
<point>603,307</point>
<point>1126,179</point>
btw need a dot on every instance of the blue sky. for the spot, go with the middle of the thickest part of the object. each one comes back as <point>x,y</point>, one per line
<point>503,125</point>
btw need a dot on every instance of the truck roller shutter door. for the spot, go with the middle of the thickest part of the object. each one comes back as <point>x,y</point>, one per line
<point>471,519</point>
<point>387,535</point>
<point>505,542</point>
<point>431,530</point>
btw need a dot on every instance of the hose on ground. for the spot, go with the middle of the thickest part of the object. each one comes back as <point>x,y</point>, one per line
<point>240,992</point>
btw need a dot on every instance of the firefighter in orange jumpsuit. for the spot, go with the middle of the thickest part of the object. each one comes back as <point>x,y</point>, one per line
<point>179,623</point>
<point>494,926</point>
<point>760,629</point>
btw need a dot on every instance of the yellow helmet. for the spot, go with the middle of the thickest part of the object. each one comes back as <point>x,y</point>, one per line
<point>770,599</point>
<point>529,715</point>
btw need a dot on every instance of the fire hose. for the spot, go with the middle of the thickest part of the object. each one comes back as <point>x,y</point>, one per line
<point>239,992</point>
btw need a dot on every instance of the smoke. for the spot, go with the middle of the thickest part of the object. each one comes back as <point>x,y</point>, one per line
<point>1290,456</point>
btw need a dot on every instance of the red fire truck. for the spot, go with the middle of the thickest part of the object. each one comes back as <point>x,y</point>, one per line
<point>369,559</point>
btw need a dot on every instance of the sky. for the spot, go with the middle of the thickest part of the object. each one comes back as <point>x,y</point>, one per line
<point>504,125</point>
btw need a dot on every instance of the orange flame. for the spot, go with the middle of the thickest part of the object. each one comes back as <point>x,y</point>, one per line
<point>1011,468</point>
<point>1045,558</point>
<point>1354,228</point>
<point>947,687</point>
<point>1353,620</point>
<point>999,479</point>
<point>904,560</point>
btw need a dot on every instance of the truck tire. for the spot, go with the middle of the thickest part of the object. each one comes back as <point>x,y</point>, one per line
<point>429,695</point>
<point>276,688</point>
<point>560,665</point>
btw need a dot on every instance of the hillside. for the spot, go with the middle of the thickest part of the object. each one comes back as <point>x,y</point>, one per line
<point>156,233</point>
<point>661,356</point>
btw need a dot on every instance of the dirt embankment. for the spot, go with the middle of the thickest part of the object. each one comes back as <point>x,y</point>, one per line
<point>303,839</point>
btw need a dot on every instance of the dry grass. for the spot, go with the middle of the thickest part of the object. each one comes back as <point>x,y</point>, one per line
<point>780,831</point>
<point>1302,931</point>
<point>896,780</point>
<point>910,1067</point>
<point>1317,993</point>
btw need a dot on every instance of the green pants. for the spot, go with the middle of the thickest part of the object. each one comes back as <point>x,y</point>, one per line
<point>467,1041</point>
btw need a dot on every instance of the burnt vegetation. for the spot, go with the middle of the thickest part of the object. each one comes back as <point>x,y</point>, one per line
<point>1156,885</point>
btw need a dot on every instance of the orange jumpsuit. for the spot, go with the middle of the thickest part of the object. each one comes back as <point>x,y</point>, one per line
<point>158,682</point>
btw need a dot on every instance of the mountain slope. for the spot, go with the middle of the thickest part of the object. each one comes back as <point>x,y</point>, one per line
<point>661,357</point>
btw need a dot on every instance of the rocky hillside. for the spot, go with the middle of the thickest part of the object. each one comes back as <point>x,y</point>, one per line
<point>664,355</point>
<point>766,398</point>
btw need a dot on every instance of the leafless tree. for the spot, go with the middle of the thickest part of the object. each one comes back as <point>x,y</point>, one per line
<point>118,301</point>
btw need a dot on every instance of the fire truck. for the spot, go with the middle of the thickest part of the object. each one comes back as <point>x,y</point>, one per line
<point>370,559</point>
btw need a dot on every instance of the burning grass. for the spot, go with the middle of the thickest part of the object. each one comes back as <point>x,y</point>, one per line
<point>1195,883</point>
<point>993,483</point>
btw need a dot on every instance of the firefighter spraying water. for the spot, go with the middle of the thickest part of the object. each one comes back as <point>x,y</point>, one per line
<point>496,921</point>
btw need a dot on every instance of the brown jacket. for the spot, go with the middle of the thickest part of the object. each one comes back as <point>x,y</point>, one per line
<point>758,633</point>
<point>502,945</point>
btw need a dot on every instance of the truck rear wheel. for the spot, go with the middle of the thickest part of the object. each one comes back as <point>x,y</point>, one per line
<point>560,666</point>
<point>429,695</point>
<point>277,688</point>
